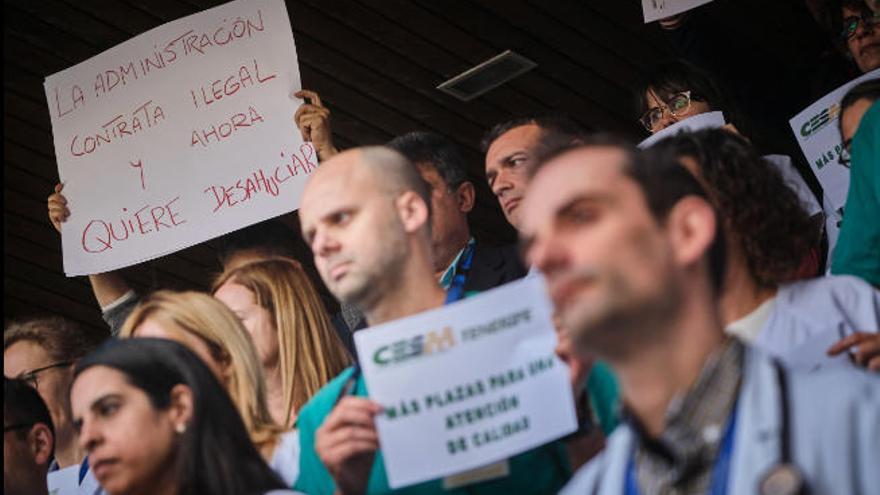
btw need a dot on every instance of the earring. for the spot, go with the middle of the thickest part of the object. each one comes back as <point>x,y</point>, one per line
<point>180,428</point>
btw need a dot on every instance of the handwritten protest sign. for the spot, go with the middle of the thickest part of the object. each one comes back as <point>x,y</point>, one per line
<point>816,130</point>
<point>708,120</point>
<point>654,10</point>
<point>179,135</point>
<point>467,384</point>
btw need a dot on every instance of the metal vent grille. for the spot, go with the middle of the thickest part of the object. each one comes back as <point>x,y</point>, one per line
<point>486,76</point>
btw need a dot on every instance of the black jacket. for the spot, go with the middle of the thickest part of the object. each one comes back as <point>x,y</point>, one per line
<point>493,266</point>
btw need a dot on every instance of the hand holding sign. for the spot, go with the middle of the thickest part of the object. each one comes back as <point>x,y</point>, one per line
<point>58,211</point>
<point>467,384</point>
<point>313,120</point>
<point>659,10</point>
<point>178,135</point>
<point>347,443</point>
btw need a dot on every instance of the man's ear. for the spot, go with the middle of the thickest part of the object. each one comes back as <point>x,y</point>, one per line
<point>692,225</point>
<point>466,196</point>
<point>412,210</point>
<point>42,443</point>
<point>181,407</point>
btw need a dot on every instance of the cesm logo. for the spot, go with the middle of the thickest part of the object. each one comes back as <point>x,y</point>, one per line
<point>420,345</point>
<point>820,120</point>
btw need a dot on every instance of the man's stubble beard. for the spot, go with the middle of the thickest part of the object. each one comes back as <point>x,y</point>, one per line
<point>382,274</point>
<point>626,322</point>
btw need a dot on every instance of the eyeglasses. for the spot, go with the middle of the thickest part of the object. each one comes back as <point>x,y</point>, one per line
<point>31,376</point>
<point>679,104</point>
<point>851,23</point>
<point>843,157</point>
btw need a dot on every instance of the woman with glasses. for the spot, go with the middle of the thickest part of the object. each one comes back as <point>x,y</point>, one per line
<point>676,90</point>
<point>154,419</point>
<point>859,28</point>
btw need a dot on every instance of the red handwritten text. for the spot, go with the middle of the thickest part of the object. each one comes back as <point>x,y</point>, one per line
<point>189,43</point>
<point>206,95</point>
<point>225,129</point>
<point>140,165</point>
<point>76,100</point>
<point>111,78</point>
<point>145,116</point>
<point>260,181</point>
<point>100,235</point>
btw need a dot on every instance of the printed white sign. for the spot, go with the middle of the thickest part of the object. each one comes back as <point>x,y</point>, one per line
<point>794,180</point>
<point>708,120</point>
<point>467,384</point>
<point>655,10</point>
<point>833,220</point>
<point>179,135</point>
<point>816,130</point>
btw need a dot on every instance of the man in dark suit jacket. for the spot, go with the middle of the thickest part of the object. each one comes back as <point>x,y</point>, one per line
<point>452,197</point>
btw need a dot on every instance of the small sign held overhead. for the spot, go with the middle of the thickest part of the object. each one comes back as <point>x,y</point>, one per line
<point>487,76</point>
<point>655,10</point>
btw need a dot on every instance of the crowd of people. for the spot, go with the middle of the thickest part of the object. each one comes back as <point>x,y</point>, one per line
<point>690,280</point>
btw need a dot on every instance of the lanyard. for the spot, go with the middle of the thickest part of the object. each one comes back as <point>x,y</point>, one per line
<point>720,473</point>
<point>456,289</point>
<point>83,470</point>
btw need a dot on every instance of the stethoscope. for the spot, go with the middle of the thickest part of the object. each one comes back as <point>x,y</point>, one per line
<point>782,479</point>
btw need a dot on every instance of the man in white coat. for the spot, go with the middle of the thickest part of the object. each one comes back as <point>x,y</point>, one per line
<point>634,262</point>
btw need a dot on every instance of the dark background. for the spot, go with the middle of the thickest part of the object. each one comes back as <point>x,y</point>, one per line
<point>376,64</point>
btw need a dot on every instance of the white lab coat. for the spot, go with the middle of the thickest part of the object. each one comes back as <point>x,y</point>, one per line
<point>834,423</point>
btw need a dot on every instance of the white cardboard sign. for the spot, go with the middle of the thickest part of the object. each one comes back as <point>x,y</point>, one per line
<point>708,120</point>
<point>467,384</point>
<point>654,10</point>
<point>816,130</point>
<point>179,135</point>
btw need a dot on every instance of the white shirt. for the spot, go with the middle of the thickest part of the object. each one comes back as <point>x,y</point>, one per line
<point>807,317</point>
<point>285,459</point>
<point>66,481</point>
<point>749,326</point>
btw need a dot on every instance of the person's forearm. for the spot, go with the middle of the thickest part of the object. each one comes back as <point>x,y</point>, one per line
<point>108,287</point>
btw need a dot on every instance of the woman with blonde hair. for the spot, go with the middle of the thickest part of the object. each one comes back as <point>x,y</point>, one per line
<point>297,345</point>
<point>208,328</point>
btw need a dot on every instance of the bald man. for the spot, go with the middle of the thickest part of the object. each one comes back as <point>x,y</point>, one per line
<point>366,215</point>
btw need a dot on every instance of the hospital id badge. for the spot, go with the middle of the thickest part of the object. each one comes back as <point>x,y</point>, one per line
<point>480,474</point>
